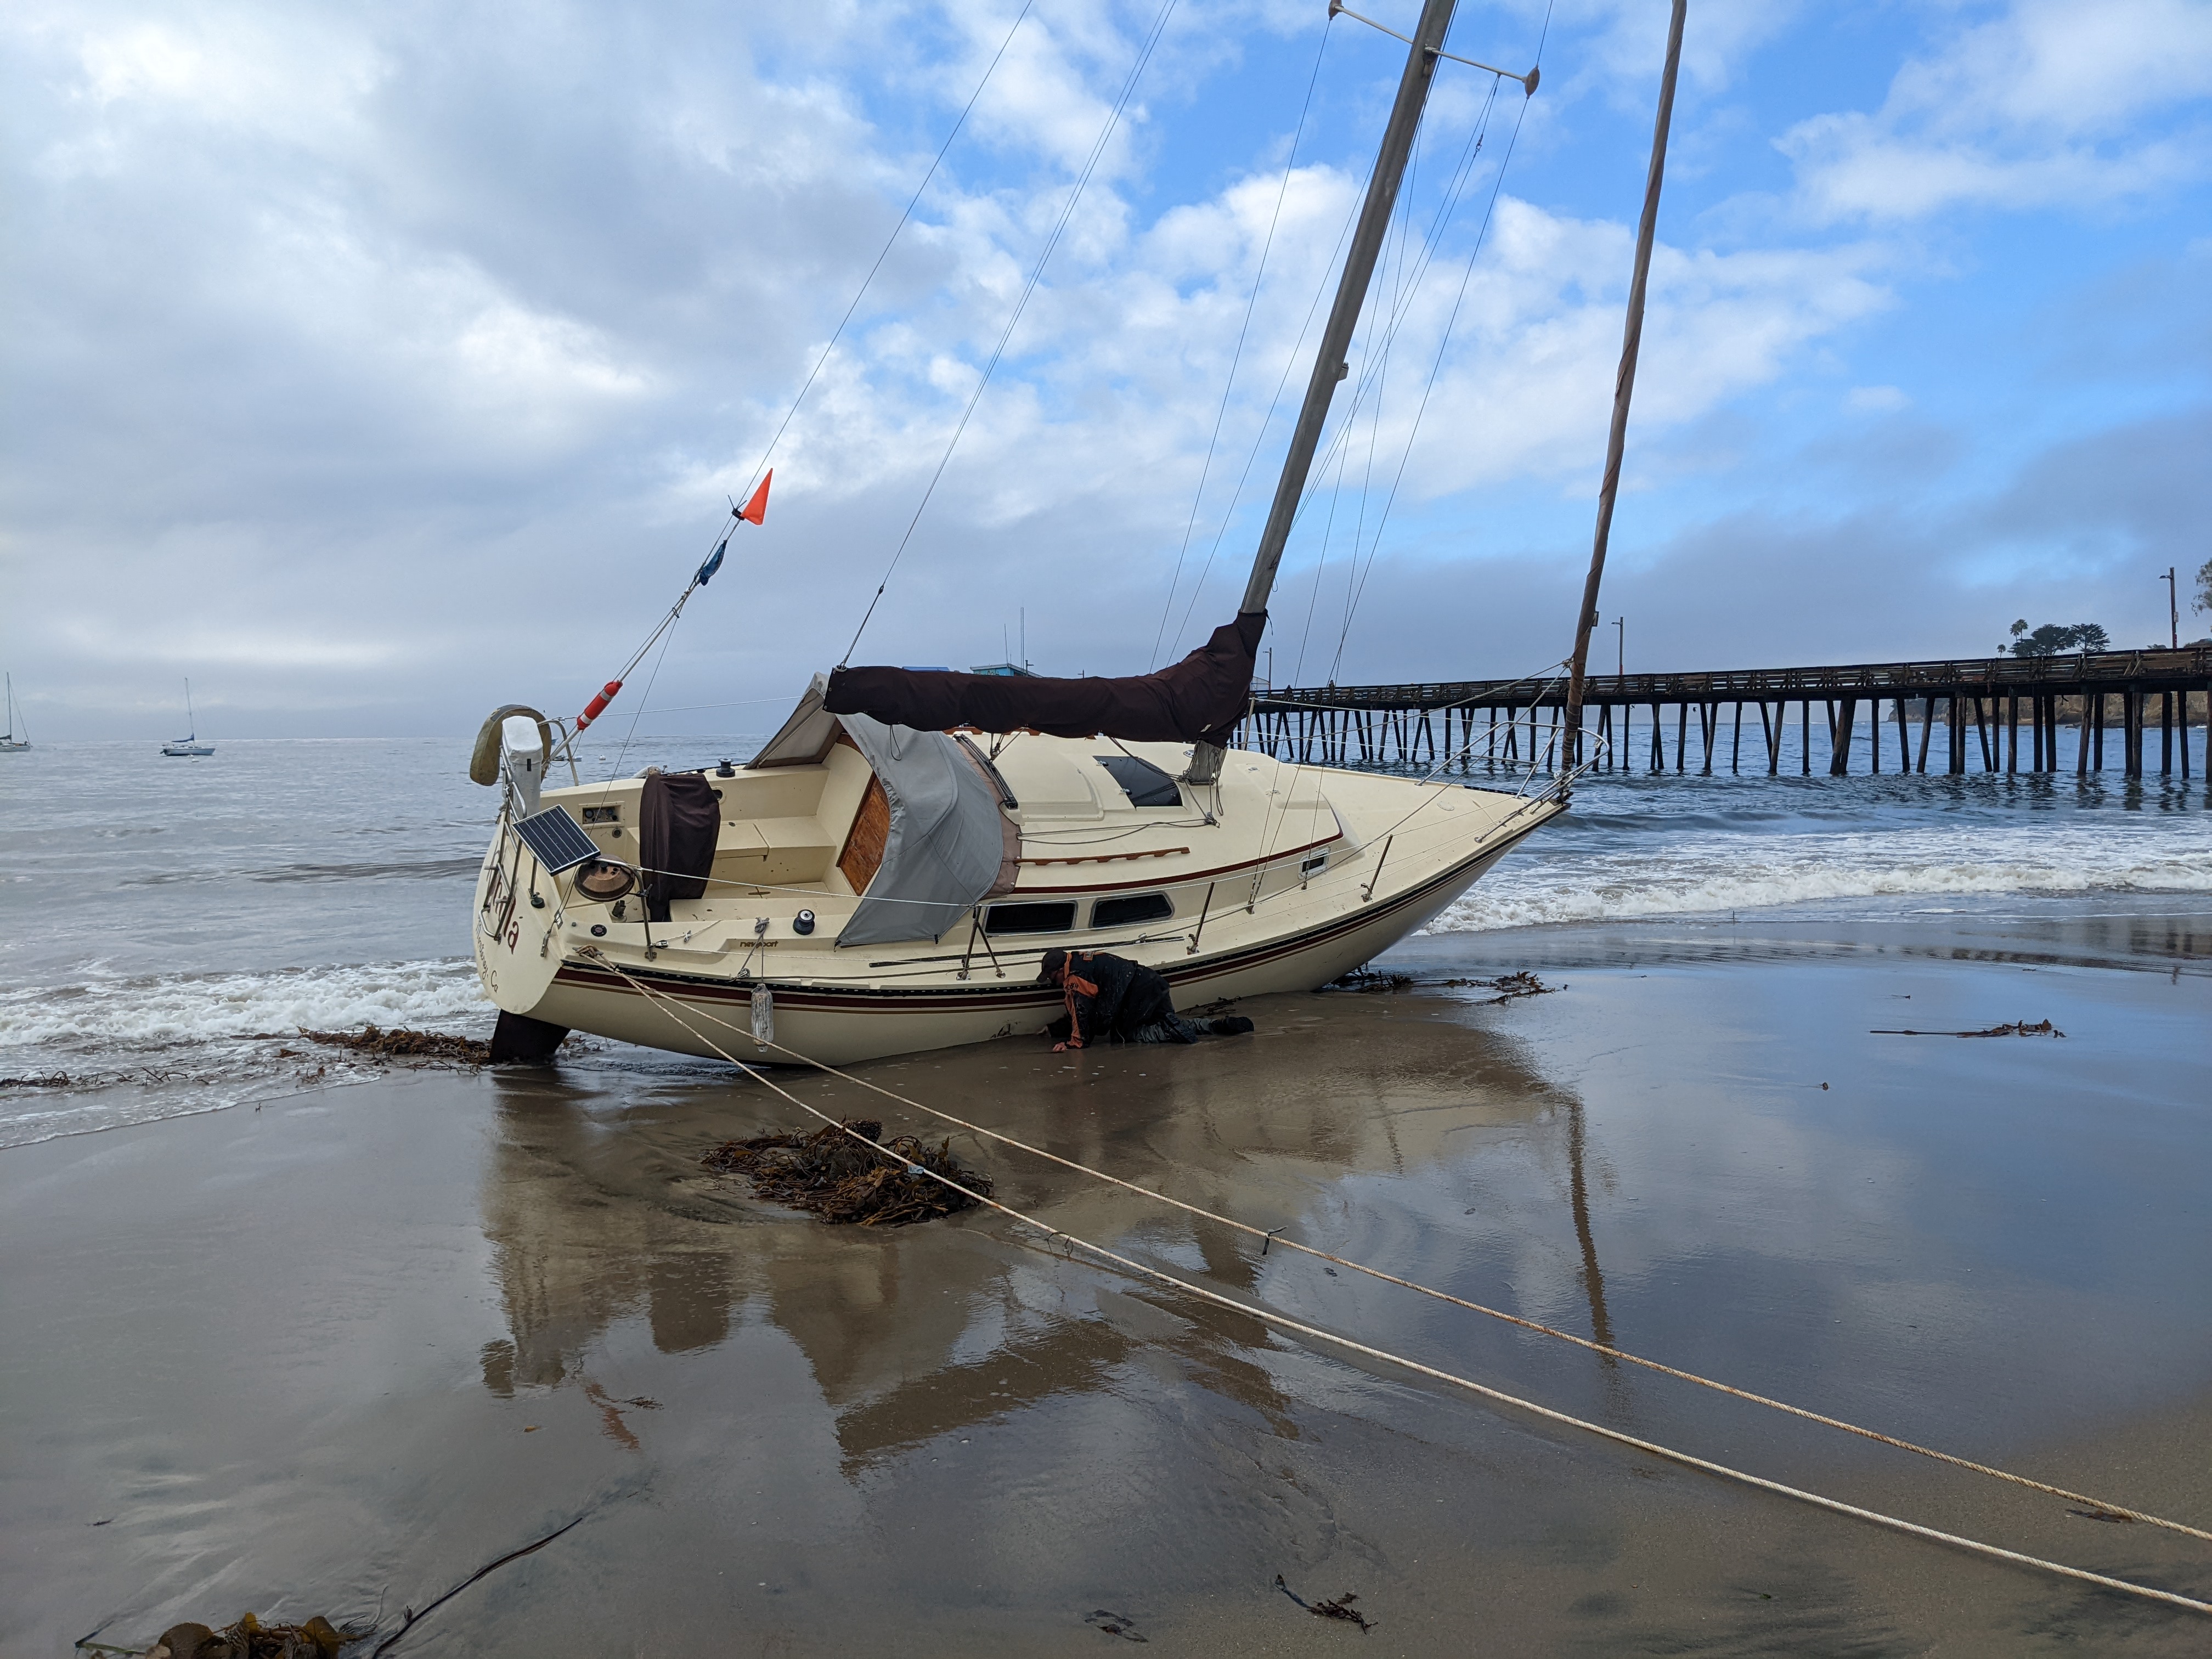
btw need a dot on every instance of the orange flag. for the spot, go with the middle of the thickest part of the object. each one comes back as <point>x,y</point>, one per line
<point>757,509</point>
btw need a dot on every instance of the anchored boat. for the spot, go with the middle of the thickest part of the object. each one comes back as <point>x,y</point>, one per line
<point>9,743</point>
<point>190,747</point>
<point>884,875</point>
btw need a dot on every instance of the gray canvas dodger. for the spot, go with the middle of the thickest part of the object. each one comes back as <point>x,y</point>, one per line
<point>950,846</point>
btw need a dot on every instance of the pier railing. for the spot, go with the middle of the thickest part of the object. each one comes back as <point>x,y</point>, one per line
<point>1978,702</point>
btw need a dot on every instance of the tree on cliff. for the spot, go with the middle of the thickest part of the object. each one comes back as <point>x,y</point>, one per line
<point>2053,639</point>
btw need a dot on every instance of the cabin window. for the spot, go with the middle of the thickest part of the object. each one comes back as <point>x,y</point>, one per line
<point>1128,912</point>
<point>603,815</point>
<point>1144,783</point>
<point>1313,866</point>
<point>1058,918</point>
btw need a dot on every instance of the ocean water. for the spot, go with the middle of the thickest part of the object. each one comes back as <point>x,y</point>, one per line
<point>166,926</point>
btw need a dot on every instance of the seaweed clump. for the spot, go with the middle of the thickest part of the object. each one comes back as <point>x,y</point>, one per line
<point>882,1183</point>
<point>1508,986</point>
<point>400,1043</point>
<point>249,1638</point>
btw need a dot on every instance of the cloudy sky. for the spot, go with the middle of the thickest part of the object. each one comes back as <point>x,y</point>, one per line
<point>374,364</point>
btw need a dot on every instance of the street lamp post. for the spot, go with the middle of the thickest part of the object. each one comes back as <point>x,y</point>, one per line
<point>2172,608</point>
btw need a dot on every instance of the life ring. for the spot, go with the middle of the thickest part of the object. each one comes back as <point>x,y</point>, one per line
<point>484,760</point>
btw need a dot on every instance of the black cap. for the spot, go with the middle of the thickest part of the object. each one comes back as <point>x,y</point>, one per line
<point>1054,962</point>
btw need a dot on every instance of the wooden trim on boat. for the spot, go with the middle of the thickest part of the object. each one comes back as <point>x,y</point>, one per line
<point>1110,858</point>
<point>1183,878</point>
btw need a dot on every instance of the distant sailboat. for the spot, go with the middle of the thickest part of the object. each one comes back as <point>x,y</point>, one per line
<point>189,745</point>
<point>9,743</point>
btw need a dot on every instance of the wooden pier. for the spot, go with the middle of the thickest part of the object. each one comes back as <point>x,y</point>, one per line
<point>2004,713</point>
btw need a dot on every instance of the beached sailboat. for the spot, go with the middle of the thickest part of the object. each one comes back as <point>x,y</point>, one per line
<point>10,742</point>
<point>191,746</point>
<point>884,876</point>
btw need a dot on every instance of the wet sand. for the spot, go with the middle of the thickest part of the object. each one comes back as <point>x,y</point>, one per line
<point>335,1354</point>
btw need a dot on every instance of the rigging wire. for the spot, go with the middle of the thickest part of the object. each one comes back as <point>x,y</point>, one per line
<point>836,334</point>
<point>1373,364</point>
<point>1381,357</point>
<point>1428,389</point>
<point>1452,195</point>
<point>1260,437</point>
<point>1328,534</point>
<point>667,639</point>
<point>1435,366</point>
<point>1075,196</point>
<point>1269,1315</point>
<point>1290,361</point>
<point>1340,425</point>
<point>1236,357</point>
<point>675,611</point>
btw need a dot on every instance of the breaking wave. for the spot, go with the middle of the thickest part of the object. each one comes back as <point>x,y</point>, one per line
<point>166,1009</point>
<point>1723,875</point>
<point>109,1051</point>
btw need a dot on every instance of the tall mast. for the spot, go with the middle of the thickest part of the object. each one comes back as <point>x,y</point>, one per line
<point>1624,387</point>
<point>1330,363</point>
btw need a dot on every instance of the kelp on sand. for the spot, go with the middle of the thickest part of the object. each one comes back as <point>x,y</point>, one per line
<point>249,1638</point>
<point>400,1043</point>
<point>833,1176</point>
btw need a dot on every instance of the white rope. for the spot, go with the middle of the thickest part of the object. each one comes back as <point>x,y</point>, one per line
<point>1268,1315</point>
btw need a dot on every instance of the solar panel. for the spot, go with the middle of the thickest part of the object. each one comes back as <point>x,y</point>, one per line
<point>557,839</point>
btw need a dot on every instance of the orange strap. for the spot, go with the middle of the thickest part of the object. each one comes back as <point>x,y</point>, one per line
<point>1069,986</point>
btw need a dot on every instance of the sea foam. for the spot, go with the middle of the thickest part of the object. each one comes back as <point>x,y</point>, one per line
<point>154,1009</point>
<point>1722,874</point>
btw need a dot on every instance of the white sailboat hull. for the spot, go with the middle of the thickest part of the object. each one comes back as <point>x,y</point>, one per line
<point>1304,874</point>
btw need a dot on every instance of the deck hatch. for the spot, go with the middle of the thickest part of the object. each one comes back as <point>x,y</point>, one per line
<point>1144,783</point>
<point>557,839</point>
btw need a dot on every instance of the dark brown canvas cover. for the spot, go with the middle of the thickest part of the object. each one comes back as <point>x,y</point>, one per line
<point>1198,700</point>
<point>679,817</point>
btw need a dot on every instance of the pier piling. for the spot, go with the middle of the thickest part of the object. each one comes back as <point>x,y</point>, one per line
<point>1489,726</point>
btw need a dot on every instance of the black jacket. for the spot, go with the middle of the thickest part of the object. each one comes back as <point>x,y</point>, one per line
<point>1111,998</point>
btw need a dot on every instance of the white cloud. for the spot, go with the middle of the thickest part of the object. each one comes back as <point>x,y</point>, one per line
<point>387,318</point>
<point>1622,43</point>
<point>1527,387</point>
<point>2051,103</point>
<point>1877,399</point>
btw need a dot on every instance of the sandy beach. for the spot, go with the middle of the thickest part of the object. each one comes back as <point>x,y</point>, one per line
<point>334,1353</point>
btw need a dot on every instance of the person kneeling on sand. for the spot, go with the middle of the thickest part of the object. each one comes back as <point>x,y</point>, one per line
<point>1112,999</point>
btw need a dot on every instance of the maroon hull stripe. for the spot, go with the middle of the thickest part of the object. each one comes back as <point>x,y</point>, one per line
<point>950,999</point>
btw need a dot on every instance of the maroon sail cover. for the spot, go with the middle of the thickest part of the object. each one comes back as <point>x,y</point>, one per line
<point>1198,700</point>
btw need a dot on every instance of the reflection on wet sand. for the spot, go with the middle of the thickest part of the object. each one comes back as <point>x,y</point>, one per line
<point>599,1211</point>
<point>1593,1277</point>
